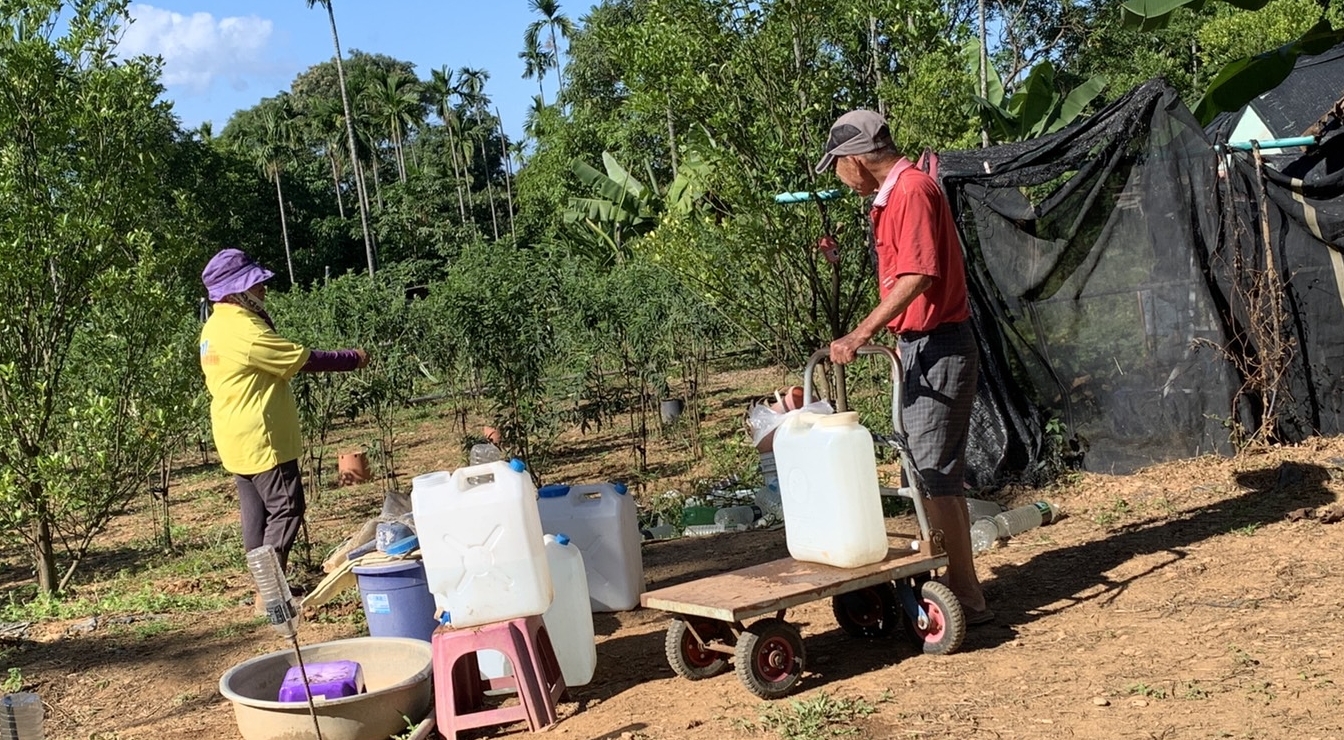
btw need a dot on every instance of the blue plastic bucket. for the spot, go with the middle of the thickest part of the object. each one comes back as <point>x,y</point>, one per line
<point>397,601</point>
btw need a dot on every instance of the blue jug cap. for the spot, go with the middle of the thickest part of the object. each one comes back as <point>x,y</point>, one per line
<point>562,539</point>
<point>518,465</point>
<point>621,489</point>
<point>554,490</point>
<point>445,619</point>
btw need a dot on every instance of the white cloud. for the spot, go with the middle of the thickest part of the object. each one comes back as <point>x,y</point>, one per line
<point>199,48</point>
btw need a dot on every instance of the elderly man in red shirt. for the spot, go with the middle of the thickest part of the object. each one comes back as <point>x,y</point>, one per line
<point>922,283</point>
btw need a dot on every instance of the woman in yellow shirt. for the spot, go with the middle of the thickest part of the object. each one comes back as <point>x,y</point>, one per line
<point>253,416</point>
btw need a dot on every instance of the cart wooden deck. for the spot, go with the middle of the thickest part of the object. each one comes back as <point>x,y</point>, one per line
<point>781,584</point>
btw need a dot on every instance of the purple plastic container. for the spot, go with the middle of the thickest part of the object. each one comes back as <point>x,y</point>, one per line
<point>334,680</point>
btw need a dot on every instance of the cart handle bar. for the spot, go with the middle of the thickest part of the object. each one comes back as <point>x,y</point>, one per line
<point>897,380</point>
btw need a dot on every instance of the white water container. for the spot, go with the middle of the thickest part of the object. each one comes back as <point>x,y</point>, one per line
<point>828,485</point>
<point>601,520</point>
<point>569,621</point>
<point>480,537</point>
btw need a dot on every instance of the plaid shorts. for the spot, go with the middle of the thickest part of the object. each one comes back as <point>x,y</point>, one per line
<point>941,370</point>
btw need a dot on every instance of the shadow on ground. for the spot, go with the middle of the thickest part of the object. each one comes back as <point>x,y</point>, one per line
<point>1051,581</point>
<point>115,647</point>
<point>1062,578</point>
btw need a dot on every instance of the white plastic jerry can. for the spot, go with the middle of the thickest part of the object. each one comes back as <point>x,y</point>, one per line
<point>569,621</point>
<point>481,541</point>
<point>602,521</point>
<point>829,490</point>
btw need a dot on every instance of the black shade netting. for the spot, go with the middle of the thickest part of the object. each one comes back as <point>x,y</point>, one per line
<point>1100,317</point>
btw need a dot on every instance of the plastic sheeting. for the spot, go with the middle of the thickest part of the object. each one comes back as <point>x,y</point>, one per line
<point>1107,265</point>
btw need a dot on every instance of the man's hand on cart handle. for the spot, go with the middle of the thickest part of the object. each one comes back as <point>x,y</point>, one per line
<point>846,348</point>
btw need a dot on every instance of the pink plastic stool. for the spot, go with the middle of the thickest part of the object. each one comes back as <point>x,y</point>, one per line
<point>459,690</point>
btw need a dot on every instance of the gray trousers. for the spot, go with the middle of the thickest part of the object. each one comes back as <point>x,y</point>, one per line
<point>941,370</point>
<point>272,508</point>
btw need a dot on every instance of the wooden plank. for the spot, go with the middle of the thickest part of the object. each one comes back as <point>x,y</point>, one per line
<point>781,584</point>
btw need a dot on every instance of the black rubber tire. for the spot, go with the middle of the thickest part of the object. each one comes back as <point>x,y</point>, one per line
<point>685,655</point>
<point>872,613</point>
<point>947,626</point>
<point>770,658</point>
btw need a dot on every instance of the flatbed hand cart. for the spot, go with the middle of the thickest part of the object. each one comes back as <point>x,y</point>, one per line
<point>874,601</point>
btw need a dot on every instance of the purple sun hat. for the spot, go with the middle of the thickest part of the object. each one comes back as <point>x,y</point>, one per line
<point>232,271</point>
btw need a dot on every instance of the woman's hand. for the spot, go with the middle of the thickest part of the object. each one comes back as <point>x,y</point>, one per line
<point>363,359</point>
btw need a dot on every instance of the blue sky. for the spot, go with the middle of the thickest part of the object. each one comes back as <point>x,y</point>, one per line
<point>223,55</point>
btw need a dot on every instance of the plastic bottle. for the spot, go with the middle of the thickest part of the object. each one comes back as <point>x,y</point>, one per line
<point>984,533</point>
<point>273,590</point>
<point>737,516</point>
<point>484,453</point>
<point>767,496</point>
<point>21,717</point>
<point>981,509</point>
<point>704,530</point>
<point>1016,521</point>
<point>697,515</point>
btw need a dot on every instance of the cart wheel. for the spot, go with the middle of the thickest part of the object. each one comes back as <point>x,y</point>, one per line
<point>770,658</point>
<point>869,612</point>
<point>947,623</point>
<point>687,657</point>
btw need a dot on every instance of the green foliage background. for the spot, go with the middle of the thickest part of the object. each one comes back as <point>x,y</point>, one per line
<point>486,293</point>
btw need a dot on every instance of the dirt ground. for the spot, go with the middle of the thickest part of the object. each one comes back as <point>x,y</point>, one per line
<point>1189,600</point>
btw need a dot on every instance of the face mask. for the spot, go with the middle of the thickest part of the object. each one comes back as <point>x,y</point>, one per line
<point>251,302</point>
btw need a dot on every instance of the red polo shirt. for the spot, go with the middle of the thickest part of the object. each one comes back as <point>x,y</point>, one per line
<point>917,236</point>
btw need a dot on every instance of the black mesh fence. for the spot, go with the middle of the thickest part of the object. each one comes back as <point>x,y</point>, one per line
<point>1116,271</point>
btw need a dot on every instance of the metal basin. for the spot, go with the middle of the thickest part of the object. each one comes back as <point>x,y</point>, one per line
<point>396,675</point>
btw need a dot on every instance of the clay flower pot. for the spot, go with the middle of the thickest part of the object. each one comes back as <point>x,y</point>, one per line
<point>352,468</point>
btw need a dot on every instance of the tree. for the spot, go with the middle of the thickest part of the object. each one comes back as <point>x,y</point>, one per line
<point>471,90</point>
<point>1035,107</point>
<point>1239,81</point>
<point>271,145</point>
<point>326,120</point>
<point>350,133</point>
<point>552,21</point>
<point>96,251</point>
<point>536,61</point>
<point>532,124</point>
<point>396,98</point>
<point>508,172</point>
<point>441,92</point>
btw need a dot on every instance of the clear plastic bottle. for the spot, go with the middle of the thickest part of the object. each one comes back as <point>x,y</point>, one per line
<point>984,533</point>
<point>21,717</point>
<point>767,496</point>
<point>705,530</point>
<point>1016,521</point>
<point>737,516</point>
<point>484,453</point>
<point>981,509</point>
<point>273,590</point>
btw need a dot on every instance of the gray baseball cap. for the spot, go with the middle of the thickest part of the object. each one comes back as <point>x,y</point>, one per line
<point>857,132</point>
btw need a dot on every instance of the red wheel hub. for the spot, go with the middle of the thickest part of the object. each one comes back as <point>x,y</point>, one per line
<point>937,623</point>
<point>774,659</point>
<point>691,650</point>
